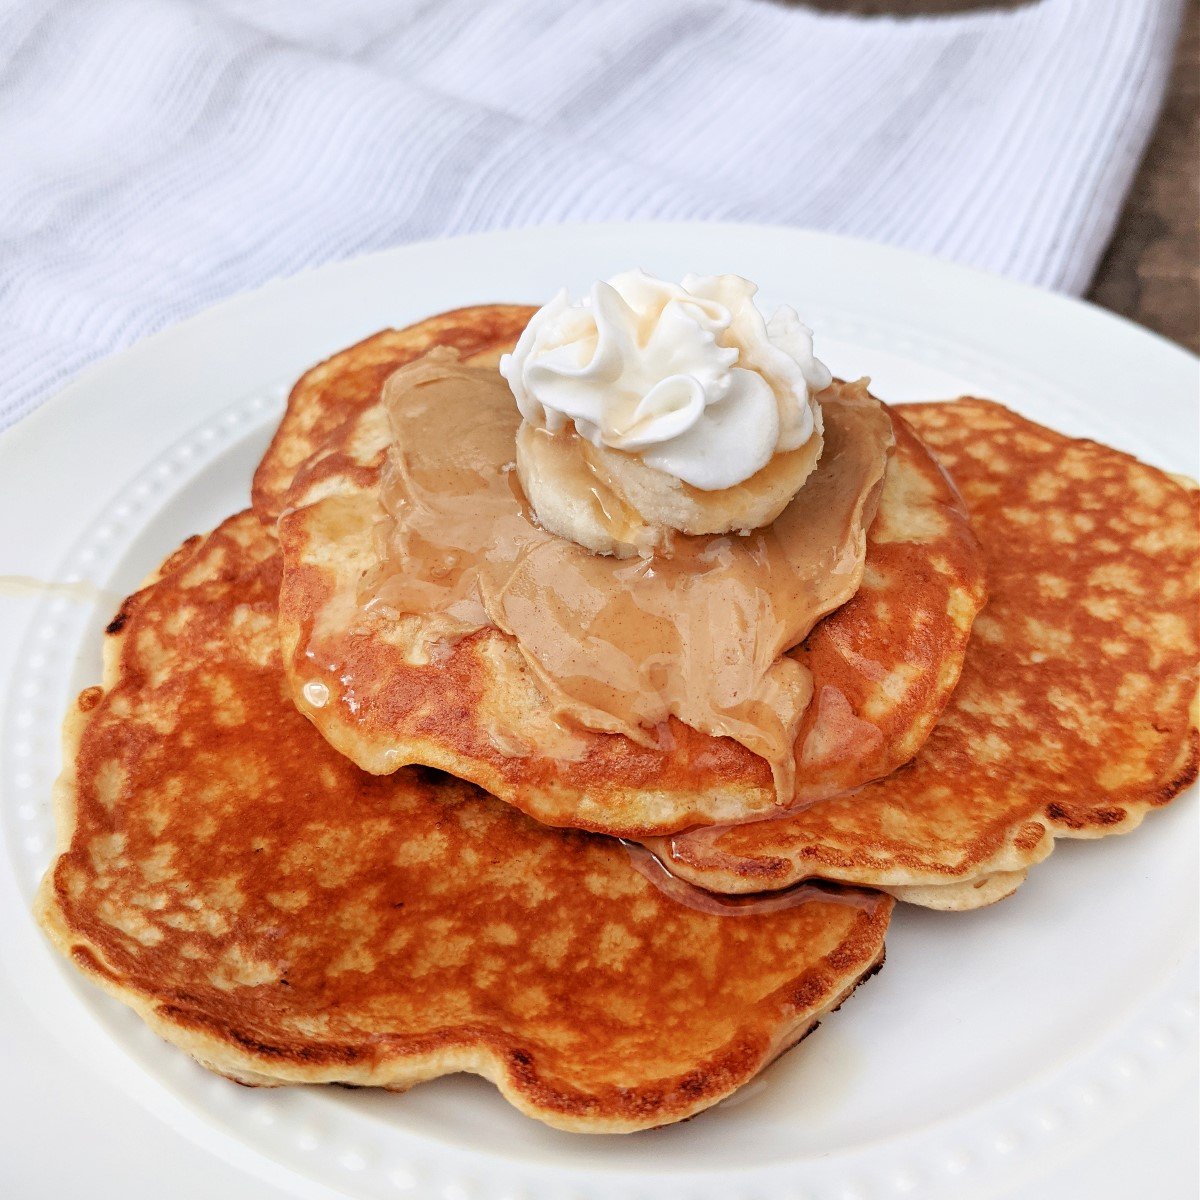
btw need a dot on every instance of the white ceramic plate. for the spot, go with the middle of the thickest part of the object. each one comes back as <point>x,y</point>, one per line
<point>1045,1046</point>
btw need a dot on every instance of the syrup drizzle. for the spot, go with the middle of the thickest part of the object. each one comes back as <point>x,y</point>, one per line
<point>82,590</point>
<point>651,867</point>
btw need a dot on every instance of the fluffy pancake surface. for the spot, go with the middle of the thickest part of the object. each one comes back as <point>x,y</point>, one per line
<point>883,664</point>
<point>1076,711</point>
<point>284,917</point>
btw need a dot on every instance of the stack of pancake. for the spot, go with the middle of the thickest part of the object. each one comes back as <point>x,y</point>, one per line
<point>302,851</point>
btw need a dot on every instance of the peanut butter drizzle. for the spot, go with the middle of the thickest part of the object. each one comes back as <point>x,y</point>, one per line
<point>620,645</point>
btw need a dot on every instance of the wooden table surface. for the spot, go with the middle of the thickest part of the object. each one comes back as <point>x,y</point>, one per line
<point>1151,270</point>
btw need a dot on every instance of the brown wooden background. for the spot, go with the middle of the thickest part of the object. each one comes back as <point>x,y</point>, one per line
<point>1151,271</point>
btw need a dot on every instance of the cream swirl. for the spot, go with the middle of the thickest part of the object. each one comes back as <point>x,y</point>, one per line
<point>691,378</point>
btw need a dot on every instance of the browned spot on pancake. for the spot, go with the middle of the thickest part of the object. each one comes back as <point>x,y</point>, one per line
<point>1029,836</point>
<point>321,1054</point>
<point>1187,772</point>
<point>287,918</point>
<point>89,698</point>
<point>1080,817</point>
<point>186,549</point>
<point>88,962</point>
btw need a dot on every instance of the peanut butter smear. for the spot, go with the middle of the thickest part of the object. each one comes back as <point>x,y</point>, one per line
<point>619,645</point>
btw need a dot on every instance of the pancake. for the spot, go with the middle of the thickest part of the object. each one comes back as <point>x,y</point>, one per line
<point>343,386</point>
<point>286,918</point>
<point>1076,711</point>
<point>883,664</point>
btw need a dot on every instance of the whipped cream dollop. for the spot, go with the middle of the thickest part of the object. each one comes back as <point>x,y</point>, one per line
<point>691,378</point>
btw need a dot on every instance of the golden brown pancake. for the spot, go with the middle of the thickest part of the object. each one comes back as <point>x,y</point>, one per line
<point>884,664</point>
<point>286,918</point>
<point>1076,711</point>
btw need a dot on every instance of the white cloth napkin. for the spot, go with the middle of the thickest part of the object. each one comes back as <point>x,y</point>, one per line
<point>158,155</point>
